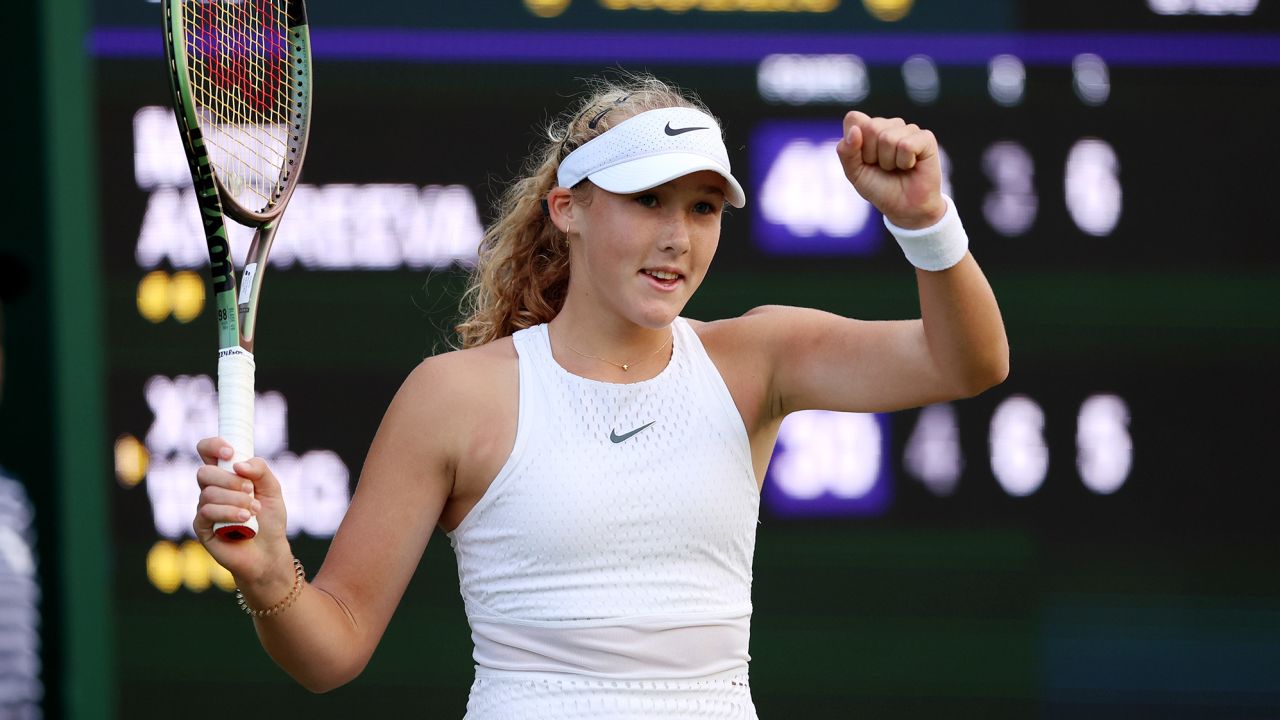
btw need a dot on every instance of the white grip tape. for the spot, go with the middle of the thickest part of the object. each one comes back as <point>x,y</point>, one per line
<point>235,402</point>
<point>235,412</point>
<point>937,247</point>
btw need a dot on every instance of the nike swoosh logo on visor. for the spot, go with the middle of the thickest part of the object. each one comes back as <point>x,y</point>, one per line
<point>616,438</point>
<point>680,131</point>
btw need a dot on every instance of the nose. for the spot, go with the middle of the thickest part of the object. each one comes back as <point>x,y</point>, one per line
<point>676,237</point>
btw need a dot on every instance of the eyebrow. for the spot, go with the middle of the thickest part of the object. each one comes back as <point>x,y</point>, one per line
<point>711,189</point>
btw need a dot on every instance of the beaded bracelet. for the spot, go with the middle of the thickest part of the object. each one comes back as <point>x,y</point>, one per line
<point>284,604</point>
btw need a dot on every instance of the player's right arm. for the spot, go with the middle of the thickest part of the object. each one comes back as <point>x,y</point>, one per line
<point>327,636</point>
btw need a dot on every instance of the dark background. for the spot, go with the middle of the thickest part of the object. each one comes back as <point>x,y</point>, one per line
<point>1159,600</point>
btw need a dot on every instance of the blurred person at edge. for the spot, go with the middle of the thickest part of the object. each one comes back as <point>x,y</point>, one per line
<point>21,690</point>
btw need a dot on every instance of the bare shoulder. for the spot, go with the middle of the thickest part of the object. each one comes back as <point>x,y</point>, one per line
<point>462,385</point>
<point>432,423</point>
<point>463,371</point>
<point>756,351</point>
<point>759,329</point>
<point>743,349</point>
<point>465,407</point>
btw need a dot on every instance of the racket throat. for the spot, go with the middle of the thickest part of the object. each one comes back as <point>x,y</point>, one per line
<point>246,328</point>
<point>251,282</point>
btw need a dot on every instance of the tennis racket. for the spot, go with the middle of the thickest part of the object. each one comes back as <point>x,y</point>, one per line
<point>241,76</point>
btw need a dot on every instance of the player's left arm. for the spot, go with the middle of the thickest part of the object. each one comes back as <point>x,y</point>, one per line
<point>957,348</point>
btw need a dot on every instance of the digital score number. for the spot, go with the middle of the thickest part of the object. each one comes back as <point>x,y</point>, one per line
<point>839,464</point>
<point>806,206</point>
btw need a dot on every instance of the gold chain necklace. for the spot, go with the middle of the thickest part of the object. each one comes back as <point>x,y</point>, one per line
<point>624,366</point>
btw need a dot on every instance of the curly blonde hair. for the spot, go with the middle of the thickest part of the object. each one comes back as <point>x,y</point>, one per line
<point>521,275</point>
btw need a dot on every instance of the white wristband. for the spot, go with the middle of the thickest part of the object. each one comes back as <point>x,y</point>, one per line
<point>936,247</point>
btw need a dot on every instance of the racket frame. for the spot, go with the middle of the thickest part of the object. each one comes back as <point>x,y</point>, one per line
<point>236,313</point>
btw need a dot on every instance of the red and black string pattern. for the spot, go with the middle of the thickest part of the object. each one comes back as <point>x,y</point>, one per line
<point>238,57</point>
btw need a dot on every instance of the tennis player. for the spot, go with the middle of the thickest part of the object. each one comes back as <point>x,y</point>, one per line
<point>594,457</point>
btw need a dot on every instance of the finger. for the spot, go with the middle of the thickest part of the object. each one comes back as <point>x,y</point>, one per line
<point>213,449</point>
<point>214,476</point>
<point>859,129</point>
<point>887,147</point>
<point>873,130</point>
<point>890,144</point>
<point>909,150</point>
<point>253,468</point>
<point>256,471</point>
<point>208,515</point>
<point>237,498</point>
<point>915,148</point>
<point>921,145</point>
<point>870,140</point>
<point>853,119</point>
<point>850,148</point>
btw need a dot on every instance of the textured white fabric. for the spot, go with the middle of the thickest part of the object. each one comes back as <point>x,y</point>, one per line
<point>649,149</point>
<point>632,648</point>
<point>580,698</point>
<point>937,247</point>
<point>614,561</point>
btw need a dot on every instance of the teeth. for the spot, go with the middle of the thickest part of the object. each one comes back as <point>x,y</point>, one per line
<point>663,275</point>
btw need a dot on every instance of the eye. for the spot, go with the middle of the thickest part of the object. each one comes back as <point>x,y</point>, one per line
<point>706,208</point>
<point>647,200</point>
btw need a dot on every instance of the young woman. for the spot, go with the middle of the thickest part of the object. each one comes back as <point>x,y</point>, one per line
<point>594,457</point>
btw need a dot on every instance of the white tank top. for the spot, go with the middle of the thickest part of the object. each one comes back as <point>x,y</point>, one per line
<point>617,540</point>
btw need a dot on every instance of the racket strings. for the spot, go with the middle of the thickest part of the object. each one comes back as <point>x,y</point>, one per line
<point>238,52</point>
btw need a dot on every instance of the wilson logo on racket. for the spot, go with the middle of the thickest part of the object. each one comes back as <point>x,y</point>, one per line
<point>220,264</point>
<point>220,269</point>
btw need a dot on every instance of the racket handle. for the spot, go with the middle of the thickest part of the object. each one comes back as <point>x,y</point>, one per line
<point>235,424</point>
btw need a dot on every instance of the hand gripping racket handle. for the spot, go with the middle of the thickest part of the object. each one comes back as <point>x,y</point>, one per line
<point>235,424</point>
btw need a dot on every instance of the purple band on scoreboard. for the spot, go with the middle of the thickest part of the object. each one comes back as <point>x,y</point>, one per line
<point>1167,49</point>
<point>801,203</point>
<point>833,472</point>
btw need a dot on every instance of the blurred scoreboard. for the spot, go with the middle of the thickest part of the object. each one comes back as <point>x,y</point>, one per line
<point>1111,162</point>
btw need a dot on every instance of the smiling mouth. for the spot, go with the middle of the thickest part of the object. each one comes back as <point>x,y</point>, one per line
<point>665,280</point>
<point>662,275</point>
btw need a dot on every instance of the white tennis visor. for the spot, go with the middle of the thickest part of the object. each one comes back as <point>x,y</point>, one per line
<point>650,149</point>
